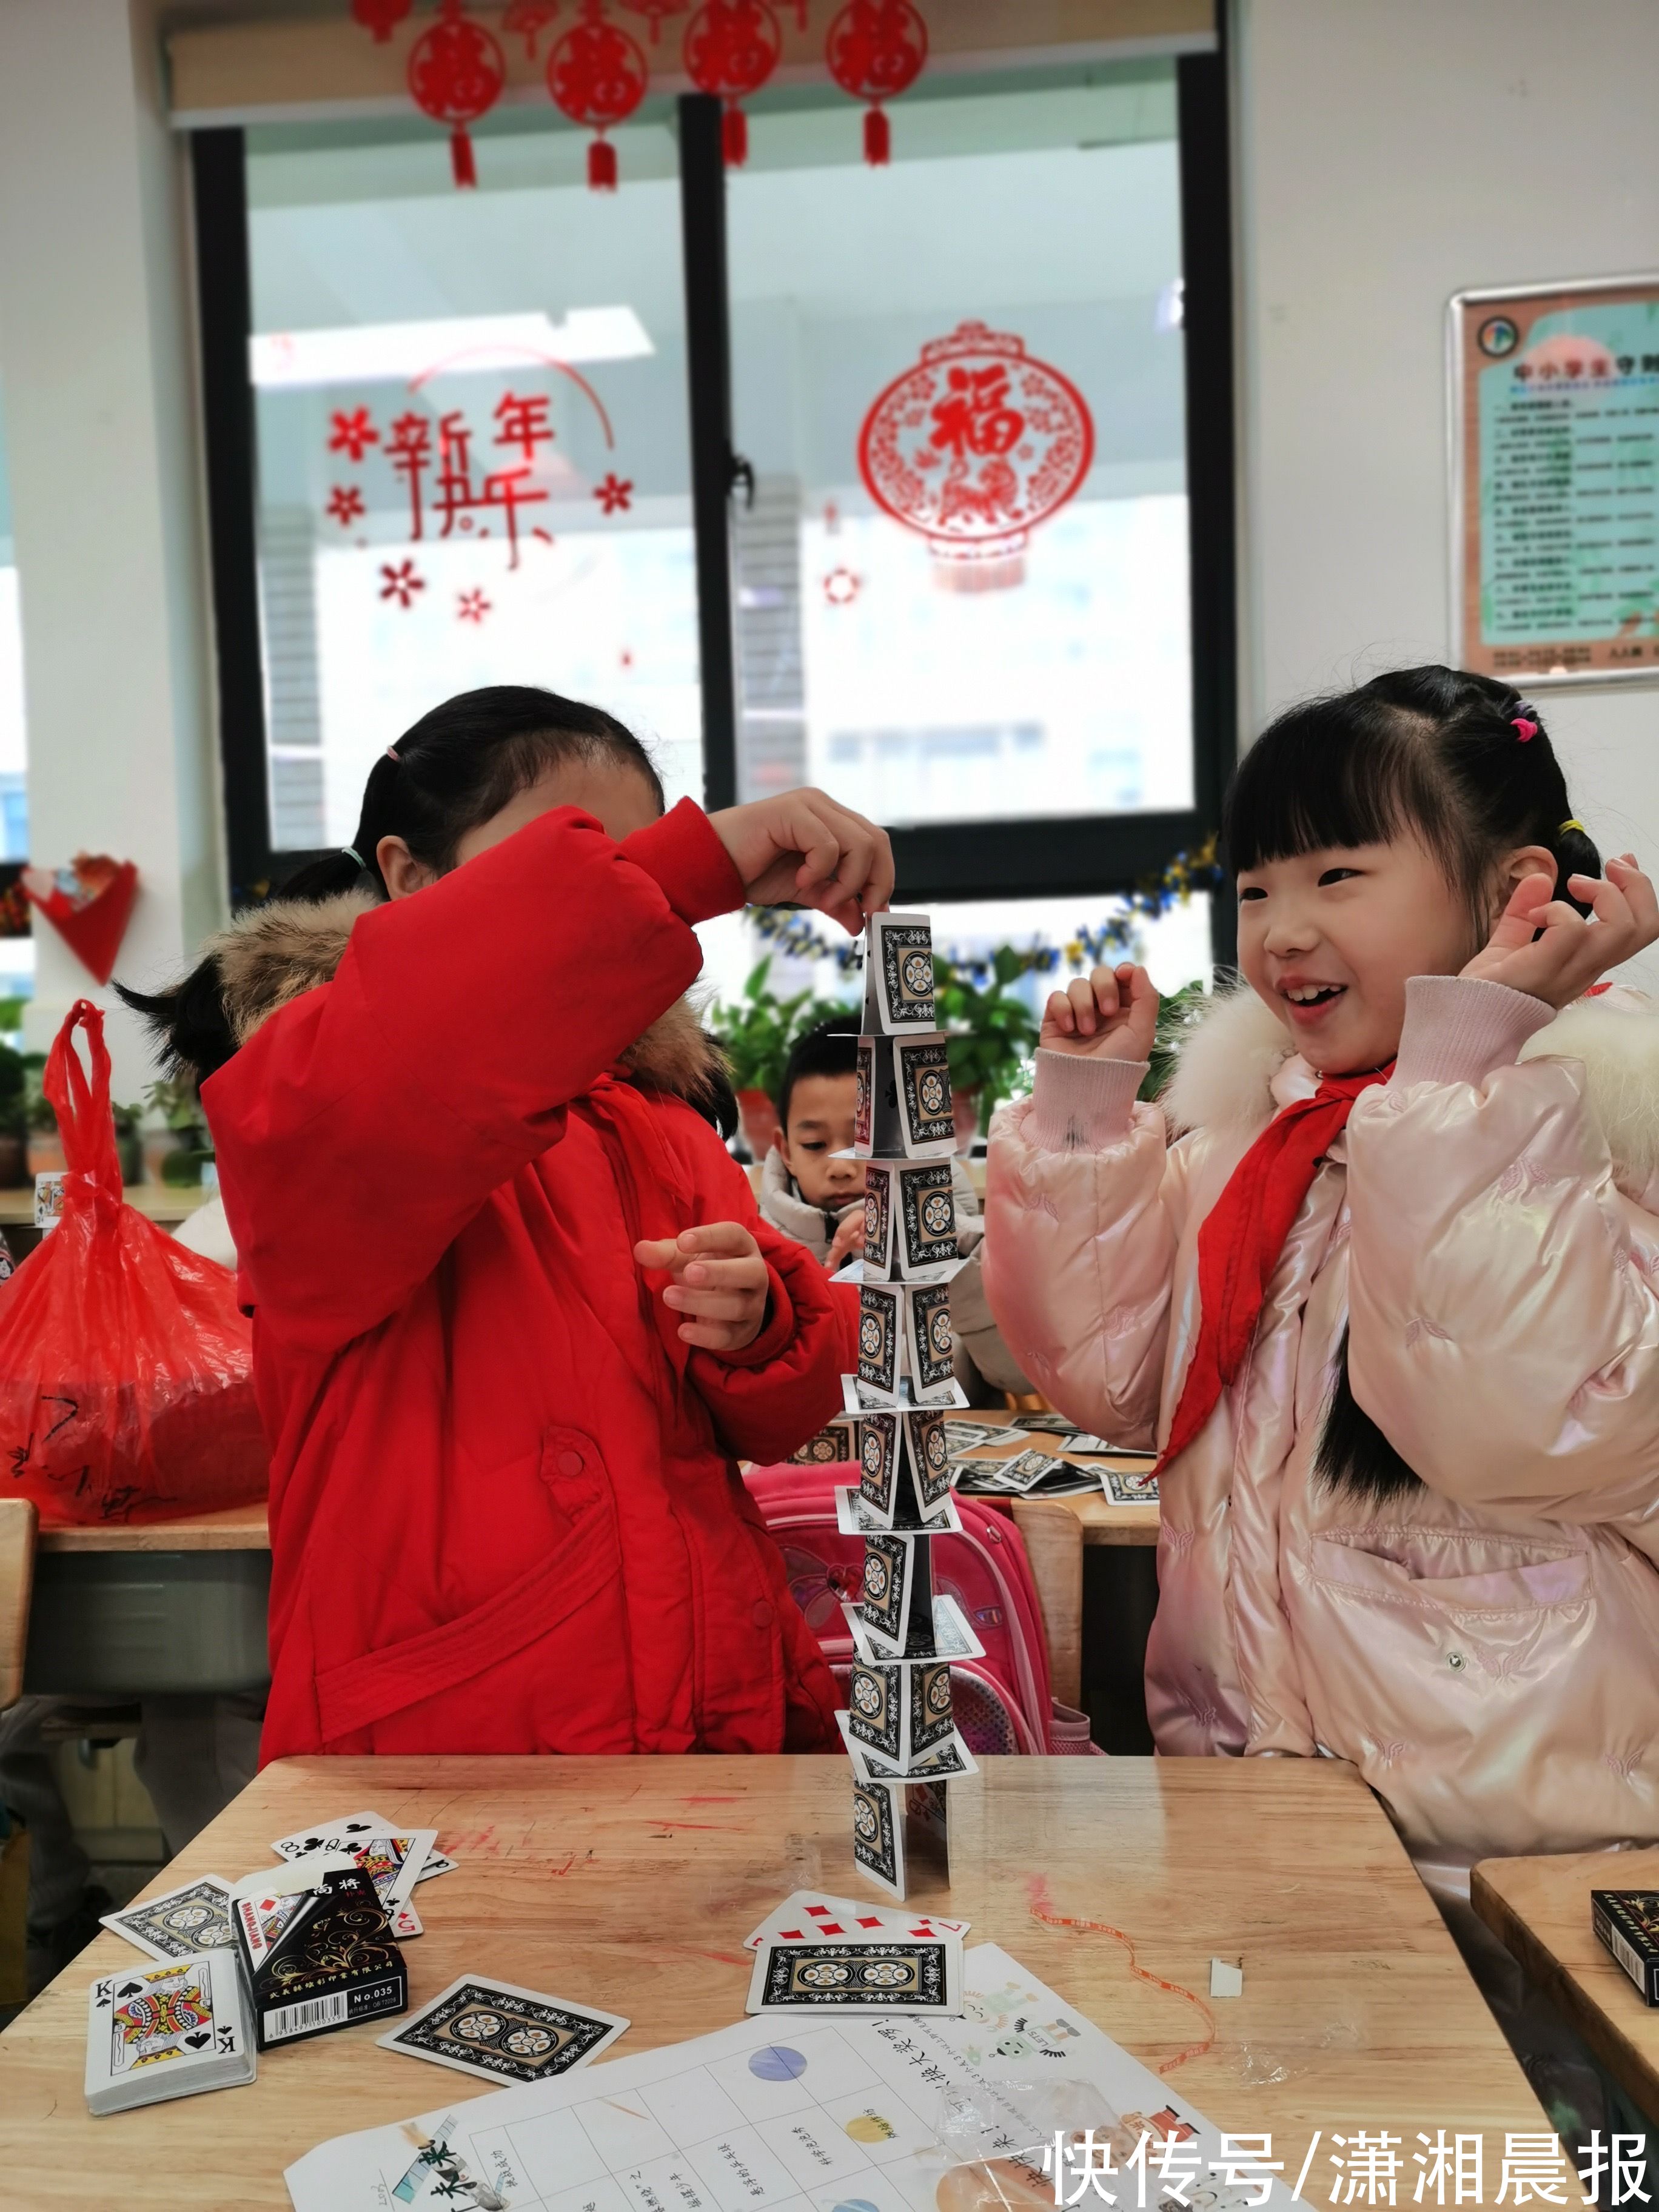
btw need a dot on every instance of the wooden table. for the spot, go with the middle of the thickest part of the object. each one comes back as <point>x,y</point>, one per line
<point>1055,1531</point>
<point>127,1612</point>
<point>1356,2011</point>
<point>1539,1910</point>
<point>158,1201</point>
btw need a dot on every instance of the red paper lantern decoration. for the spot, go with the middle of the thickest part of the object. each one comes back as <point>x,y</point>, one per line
<point>597,75</point>
<point>527,20</point>
<point>456,72</point>
<point>731,48</point>
<point>875,51</point>
<point>973,447</point>
<point>655,11</point>
<point>379,16</point>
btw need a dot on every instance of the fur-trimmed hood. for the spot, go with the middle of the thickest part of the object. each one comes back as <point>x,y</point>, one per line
<point>1237,1066</point>
<point>273,953</point>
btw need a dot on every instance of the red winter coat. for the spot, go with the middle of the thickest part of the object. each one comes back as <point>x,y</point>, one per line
<point>504,1511</point>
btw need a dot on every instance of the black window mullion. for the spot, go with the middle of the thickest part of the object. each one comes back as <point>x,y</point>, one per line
<point>709,392</point>
<point>225,323</point>
<point>1211,518</point>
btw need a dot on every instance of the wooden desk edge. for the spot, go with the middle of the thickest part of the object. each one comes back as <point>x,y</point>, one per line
<point>1578,2005</point>
<point>237,1528</point>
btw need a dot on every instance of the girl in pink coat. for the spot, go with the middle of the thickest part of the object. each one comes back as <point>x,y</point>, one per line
<point>1380,1274</point>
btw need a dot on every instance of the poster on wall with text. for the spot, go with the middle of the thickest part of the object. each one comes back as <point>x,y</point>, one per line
<point>1555,481</point>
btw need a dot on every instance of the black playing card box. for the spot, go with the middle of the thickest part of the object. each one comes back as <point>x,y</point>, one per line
<point>314,1950</point>
<point>1627,1922</point>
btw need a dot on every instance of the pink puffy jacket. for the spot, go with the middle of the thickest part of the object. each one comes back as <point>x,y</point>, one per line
<point>1485,1650</point>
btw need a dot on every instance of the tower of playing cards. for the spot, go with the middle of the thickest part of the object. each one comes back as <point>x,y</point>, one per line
<point>899,1728</point>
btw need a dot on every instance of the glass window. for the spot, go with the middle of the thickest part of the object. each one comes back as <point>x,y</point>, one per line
<point>962,584</point>
<point>473,457</point>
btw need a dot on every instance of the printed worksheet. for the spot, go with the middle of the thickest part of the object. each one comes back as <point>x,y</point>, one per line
<point>829,2115</point>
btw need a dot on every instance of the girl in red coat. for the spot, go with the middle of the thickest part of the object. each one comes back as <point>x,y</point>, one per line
<point>514,1312</point>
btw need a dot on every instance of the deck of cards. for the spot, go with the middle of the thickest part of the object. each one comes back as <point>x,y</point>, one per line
<point>172,2030</point>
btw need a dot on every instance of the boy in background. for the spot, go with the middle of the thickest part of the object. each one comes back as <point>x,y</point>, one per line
<point>813,1189</point>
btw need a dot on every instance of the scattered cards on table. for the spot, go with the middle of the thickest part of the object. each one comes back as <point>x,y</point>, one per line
<point>863,1979</point>
<point>964,1438</point>
<point>180,1922</point>
<point>1129,1489</point>
<point>502,2034</point>
<point>1031,1474</point>
<point>173,2030</point>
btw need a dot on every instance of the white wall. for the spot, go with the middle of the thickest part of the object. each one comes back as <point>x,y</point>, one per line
<point>96,357</point>
<point>1391,153</point>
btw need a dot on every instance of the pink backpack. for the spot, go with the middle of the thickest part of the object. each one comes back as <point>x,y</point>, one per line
<point>1003,1701</point>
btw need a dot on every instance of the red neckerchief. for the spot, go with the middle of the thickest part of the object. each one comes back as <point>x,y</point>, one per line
<point>1240,1243</point>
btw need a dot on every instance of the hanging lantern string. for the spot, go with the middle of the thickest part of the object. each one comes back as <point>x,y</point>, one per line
<point>731,49</point>
<point>456,73</point>
<point>597,75</point>
<point>875,49</point>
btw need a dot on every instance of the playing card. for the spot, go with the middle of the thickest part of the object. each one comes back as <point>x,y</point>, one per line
<point>1052,1425</point>
<point>921,1070</point>
<point>898,973</point>
<point>856,1398</point>
<point>166,2031</point>
<point>854,1518</point>
<point>1029,1468</point>
<point>881,1324</point>
<point>879,1834</point>
<point>1122,1489</point>
<point>928,1457</point>
<point>878,1219</point>
<point>878,1464</point>
<point>180,1922</point>
<point>1082,1442</point>
<point>930,1340</point>
<point>503,2033</point>
<point>900,1709</point>
<point>392,1858</point>
<point>808,1916</point>
<point>863,1097</point>
<point>951,1760</point>
<point>824,1448</point>
<point>890,1567</point>
<point>865,1979</point>
<point>938,1629</point>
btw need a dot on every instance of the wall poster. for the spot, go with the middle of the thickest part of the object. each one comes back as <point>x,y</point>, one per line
<point>1555,480</point>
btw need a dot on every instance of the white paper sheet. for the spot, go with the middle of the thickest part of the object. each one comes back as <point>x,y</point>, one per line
<point>772,2115</point>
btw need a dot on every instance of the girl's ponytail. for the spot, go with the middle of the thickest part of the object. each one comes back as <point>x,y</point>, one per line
<point>381,817</point>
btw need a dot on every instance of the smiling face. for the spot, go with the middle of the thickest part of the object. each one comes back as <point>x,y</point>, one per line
<point>1329,937</point>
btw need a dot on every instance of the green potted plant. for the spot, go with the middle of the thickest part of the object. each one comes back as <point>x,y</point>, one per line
<point>14,1127</point>
<point>755,1035</point>
<point>1176,1016</point>
<point>45,1147</point>
<point>177,1150</point>
<point>129,1142</point>
<point>992,1034</point>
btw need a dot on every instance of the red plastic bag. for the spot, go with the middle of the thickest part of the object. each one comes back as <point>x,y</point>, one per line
<point>126,1368</point>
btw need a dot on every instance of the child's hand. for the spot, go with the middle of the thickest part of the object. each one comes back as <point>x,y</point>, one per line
<point>807,848</point>
<point>1559,966</point>
<point>1112,1016</point>
<point>719,1283</point>
<point>848,1241</point>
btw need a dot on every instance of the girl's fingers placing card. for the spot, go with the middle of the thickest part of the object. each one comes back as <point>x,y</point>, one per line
<point>805,845</point>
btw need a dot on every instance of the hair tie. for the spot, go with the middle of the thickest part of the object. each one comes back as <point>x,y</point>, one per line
<point>1525,728</point>
<point>352,853</point>
<point>1572,823</point>
<point>392,754</point>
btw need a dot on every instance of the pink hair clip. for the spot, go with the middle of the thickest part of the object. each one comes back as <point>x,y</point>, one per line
<point>392,754</point>
<point>1525,730</point>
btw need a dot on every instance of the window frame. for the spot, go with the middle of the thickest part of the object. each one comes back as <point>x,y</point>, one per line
<point>1082,855</point>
